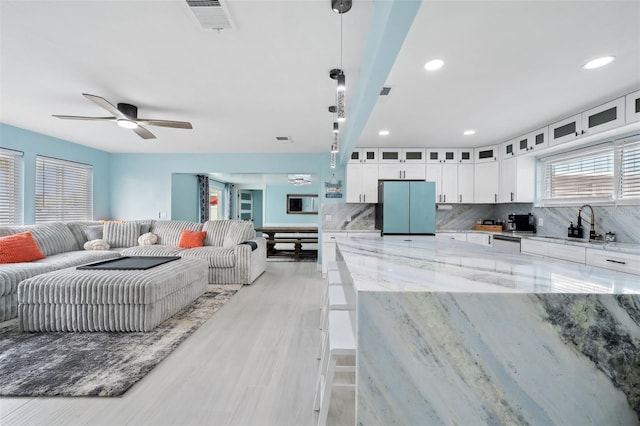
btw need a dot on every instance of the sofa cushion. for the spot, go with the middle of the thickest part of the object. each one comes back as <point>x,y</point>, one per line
<point>78,257</point>
<point>239,231</point>
<point>216,230</point>
<point>18,248</point>
<point>78,229</point>
<point>94,232</point>
<point>121,234</point>
<point>11,274</point>
<point>154,250</point>
<point>216,257</point>
<point>147,239</point>
<point>168,231</point>
<point>52,238</point>
<point>96,245</point>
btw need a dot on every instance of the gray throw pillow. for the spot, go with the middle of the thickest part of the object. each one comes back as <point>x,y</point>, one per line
<point>121,234</point>
<point>144,228</point>
<point>94,232</point>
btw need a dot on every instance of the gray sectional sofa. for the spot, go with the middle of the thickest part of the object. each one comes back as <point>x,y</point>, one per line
<point>232,251</point>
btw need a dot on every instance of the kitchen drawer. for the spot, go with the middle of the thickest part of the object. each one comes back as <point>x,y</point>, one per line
<point>460,236</point>
<point>565,252</point>
<point>539,248</point>
<point>623,262</point>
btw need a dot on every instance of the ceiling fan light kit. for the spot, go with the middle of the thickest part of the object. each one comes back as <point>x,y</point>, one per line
<point>126,116</point>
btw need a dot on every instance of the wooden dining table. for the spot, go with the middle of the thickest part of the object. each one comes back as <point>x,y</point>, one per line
<point>296,235</point>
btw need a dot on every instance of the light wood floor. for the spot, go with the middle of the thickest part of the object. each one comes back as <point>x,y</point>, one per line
<point>253,363</point>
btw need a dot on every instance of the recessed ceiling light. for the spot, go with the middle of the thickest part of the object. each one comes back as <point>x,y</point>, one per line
<point>469,132</point>
<point>599,62</point>
<point>383,132</point>
<point>434,64</point>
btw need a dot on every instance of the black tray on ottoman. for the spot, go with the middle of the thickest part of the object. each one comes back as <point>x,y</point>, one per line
<point>130,262</point>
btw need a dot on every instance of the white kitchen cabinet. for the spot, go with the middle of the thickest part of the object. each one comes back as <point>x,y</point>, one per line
<point>565,130</point>
<point>362,183</point>
<point>506,149</point>
<point>539,139</point>
<point>555,251</point>
<point>329,244</point>
<point>446,178</point>
<point>364,155</point>
<point>480,238</point>
<point>401,155</point>
<point>486,154</point>
<point>438,156</point>
<point>465,155</point>
<point>517,180</point>
<point>604,117</point>
<point>465,183</point>
<point>616,261</point>
<point>538,248</point>
<point>632,107</point>
<point>486,183</point>
<point>460,236</point>
<point>403,171</point>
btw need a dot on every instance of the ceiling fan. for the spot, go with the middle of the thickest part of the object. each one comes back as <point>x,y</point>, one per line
<point>126,115</point>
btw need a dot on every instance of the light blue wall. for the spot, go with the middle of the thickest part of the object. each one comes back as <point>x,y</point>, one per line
<point>32,144</point>
<point>184,197</point>
<point>142,184</point>
<point>276,205</point>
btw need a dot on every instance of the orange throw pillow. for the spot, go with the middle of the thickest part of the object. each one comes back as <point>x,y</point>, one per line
<point>19,248</point>
<point>191,239</point>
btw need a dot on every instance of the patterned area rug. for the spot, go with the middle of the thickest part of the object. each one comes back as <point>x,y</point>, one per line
<point>93,364</point>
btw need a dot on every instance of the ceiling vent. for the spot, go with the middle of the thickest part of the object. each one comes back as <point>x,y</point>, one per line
<point>211,14</point>
<point>385,91</point>
<point>284,139</point>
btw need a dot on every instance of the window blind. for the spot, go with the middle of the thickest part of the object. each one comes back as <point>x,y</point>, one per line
<point>64,190</point>
<point>630,171</point>
<point>587,175</point>
<point>10,187</point>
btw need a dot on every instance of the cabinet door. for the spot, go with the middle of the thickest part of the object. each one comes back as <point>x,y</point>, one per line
<point>390,171</point>
<point>522,144</point>
<point>414,171</point>
<point>633,106</point>
<point>422,207</point>
<point>395,208</point>
<point>486,154</point>
<point>565,130</point>
<point>486,183</point>
<point>449,186</point>
<point>539,248</point>
<point>465,183</point>
<point>604,117</point>
<point>480,239</point>
<point>465,156</point>
<point>389,155</point>
<point>507,180</point>
<point>354,183</point>
<point>539,139</point>
<point>369,183</point>
<point>413,155</point>
<point>364,155</point>
<point>356,156</point>
<point>434,174</point>
<point>567,252</point>
<point>507,149</point>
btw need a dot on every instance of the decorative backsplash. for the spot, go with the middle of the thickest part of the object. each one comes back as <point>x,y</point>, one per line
<point>624,221</point>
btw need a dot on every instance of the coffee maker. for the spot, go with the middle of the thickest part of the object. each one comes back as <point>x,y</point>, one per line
<point>521,223</point>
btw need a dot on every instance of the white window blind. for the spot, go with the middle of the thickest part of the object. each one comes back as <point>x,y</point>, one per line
<point>64,190</point>
<point>630,171</point>
<point>587,175</point>
<point>10,187</point>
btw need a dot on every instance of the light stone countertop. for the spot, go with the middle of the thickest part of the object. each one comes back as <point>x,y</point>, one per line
<point>417,263</point>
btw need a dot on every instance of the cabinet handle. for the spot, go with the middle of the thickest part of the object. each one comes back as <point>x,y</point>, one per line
<point>460,197</point>
<point>512,196</point>
<point>583,132</point>
<point>576,133</point>
<point>495,198</point>
<point>364,198</point>
<point>444,198</point>
<point>616,261</point>
<point>489,239</point>
<point>359,198</point>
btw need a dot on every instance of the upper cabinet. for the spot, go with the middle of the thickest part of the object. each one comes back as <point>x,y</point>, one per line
<point>539,139</point>
<point>465,155</point>
<point>633,106</point>
<point>364,155</point>
<point>604,117</point>
<point>486,154</point>
<point>401,155</point>
<point>442,156</point>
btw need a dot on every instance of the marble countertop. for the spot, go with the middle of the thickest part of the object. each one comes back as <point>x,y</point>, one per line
<point>354,231</point>
<point>417,263</point>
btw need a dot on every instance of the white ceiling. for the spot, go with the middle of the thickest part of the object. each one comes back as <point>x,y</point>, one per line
<point>510,66</point>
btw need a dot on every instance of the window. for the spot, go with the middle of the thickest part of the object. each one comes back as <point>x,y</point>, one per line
<point>606,173</point>
<point>64,190</point>
<point>10,187</point>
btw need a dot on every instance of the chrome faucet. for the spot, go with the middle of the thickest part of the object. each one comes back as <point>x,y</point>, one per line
<point>592,222</point>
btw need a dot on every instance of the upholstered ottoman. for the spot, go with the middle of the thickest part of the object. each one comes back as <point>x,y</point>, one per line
<point>109,300</point>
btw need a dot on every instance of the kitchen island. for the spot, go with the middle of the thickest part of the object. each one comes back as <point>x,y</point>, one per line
<point>453,333</point>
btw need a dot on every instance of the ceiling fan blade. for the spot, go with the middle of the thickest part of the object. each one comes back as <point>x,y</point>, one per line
<point>102,102</point>
<point>144,133</point>
<point>165,123</point>
<point>76,117</point>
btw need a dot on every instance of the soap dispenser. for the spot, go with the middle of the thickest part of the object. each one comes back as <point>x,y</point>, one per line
<point>572,230</point>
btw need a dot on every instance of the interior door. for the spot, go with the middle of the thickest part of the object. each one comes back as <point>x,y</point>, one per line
<point>245,205</point>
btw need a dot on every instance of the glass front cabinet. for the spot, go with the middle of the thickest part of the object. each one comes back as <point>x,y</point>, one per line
<point>633,106</point>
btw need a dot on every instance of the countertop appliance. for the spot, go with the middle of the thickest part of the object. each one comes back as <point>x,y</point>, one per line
<point>521,223</point>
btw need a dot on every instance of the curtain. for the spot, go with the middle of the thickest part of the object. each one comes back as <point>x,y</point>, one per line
<point>203,197</point>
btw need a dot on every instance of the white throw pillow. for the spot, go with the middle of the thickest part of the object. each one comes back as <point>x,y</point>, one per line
<point>96,245</point>
<point>147,239</point>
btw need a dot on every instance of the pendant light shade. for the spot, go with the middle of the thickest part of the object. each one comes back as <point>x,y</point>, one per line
<point>336,128</point>
<point>341,116</point>
<point>341,82</point>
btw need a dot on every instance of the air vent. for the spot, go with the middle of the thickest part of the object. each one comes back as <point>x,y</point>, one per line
<point>210,14</point>
<point>385,91</point>
<point>284,139</point>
